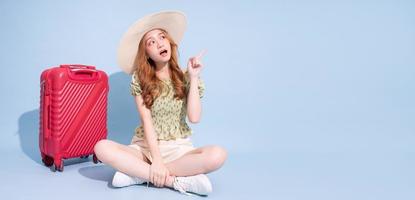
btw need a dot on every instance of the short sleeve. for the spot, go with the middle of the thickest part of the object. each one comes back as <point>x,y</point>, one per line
<point>201,85</point>
<point>135,85</point>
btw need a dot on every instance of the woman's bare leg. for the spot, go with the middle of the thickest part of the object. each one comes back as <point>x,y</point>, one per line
<point>125,159</point>
<point>198,161</point>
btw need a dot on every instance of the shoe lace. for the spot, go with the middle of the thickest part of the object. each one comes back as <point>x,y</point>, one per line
<point>178,185</point>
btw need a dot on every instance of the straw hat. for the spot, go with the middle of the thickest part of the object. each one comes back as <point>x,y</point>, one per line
<point>174,22</point>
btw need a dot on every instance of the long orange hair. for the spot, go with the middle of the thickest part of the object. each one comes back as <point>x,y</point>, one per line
<point>152,86</point>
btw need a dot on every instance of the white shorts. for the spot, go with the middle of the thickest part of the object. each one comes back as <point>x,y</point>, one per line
<point>170,150</point>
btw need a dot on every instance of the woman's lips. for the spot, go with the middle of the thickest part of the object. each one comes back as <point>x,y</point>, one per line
<point>163,53</point>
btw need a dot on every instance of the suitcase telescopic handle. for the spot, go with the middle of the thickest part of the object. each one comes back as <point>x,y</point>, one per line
<point>79,70</point>
<point>82,72</point>
<point>77,66</point>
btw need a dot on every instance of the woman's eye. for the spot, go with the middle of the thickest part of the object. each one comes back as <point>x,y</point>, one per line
<point>163,37</point>
<point>151,42</point>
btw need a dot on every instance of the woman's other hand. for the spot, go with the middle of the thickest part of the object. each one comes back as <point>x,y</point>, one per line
<point>158,173</point>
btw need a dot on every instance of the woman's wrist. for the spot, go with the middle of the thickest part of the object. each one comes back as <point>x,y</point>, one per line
<point>157,159</point>
<point>194,78</point>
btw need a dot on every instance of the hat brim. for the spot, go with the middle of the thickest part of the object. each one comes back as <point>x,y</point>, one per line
<point>174,22</point>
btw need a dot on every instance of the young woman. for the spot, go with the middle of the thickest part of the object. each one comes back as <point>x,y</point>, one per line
<point>161,151</point>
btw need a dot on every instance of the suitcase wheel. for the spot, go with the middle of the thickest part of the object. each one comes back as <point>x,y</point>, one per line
<point>47,160</point>
<point>95,159</point>
<point>57,167</point>
<point>84,157</point>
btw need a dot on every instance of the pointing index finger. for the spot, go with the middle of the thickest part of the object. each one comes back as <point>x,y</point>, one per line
<point>202,53</point>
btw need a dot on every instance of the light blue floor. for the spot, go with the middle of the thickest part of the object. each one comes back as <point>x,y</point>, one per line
<point>244,176</point>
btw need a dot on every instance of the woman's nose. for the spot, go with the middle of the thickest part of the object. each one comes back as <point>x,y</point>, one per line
<point>160,44</point>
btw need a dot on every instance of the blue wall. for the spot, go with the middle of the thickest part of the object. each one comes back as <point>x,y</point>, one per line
<point>298,76</point>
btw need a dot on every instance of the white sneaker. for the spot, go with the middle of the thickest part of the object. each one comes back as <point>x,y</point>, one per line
<point>199,184</point>
<point>122,180</point>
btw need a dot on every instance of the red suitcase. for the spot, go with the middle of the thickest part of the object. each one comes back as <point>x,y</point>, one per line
<point>73,113</point>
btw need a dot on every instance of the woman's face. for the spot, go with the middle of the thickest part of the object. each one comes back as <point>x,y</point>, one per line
<point>157,46</point>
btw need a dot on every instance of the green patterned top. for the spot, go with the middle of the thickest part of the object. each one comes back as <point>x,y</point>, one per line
<point>168,113</point>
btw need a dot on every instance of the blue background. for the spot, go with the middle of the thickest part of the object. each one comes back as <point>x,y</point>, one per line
<point>312,99</point>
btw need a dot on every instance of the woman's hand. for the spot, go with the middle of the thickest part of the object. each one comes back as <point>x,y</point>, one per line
<point>194,65</point>
<point>158,173</point>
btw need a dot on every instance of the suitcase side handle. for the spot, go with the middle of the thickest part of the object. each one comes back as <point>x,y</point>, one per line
<point>48,118</point>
